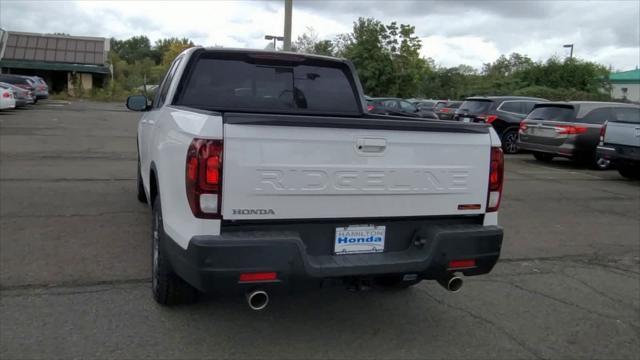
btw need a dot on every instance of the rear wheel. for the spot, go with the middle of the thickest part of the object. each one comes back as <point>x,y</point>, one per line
<point>629,172</point>
<point>168,288</point>
<point>542,156</point>
<point>510,142</point>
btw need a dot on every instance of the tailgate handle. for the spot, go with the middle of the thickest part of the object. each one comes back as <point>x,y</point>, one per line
<point>371,145</point>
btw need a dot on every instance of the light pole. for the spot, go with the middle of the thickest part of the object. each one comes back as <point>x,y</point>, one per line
<point>569,46</point>
<point>286,44</point>
<point>274,38</point>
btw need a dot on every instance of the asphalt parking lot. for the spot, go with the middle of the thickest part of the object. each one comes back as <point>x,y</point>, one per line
<point>75,256</point>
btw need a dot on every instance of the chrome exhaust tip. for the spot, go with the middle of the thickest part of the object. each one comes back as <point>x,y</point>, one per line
<point>452,283</point>
<point>257,300</point>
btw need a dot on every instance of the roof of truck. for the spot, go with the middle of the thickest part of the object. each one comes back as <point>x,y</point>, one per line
<point>263,51</point>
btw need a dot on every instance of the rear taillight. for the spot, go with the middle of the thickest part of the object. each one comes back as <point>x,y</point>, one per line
<point>496,178</point>
<point>570,129</point>
<point>523,127</point>
<point>6,94</point>
<point>370,107</point>
<point>603,131</point>
<point>487,118</point>
<point>203,177</point>
<point>445,110</point>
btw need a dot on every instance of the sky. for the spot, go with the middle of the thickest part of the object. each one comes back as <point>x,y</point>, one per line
<point>468,32</point>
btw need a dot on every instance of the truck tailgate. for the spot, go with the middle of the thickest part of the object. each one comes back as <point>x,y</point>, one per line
<point>273,170</point>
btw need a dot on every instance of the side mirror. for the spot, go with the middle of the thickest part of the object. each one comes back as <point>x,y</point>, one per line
<point>137,103</point>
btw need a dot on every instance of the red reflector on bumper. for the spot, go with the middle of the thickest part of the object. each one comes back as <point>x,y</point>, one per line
<point>461,264</point>
<point>259,276</point>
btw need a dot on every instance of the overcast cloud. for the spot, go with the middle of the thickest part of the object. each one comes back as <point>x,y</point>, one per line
<point>453,32</point>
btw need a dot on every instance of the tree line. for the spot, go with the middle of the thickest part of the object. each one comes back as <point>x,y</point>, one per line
<point>387,58</point>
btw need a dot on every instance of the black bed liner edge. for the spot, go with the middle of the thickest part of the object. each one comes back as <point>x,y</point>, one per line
<point>378,122</point>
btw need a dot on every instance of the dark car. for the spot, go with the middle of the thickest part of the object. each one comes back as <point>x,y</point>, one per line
<point>427,104</point>
<point>21,82</point>
<point>446,110</point>
<point>504,113</point>
<point>567,129</point>
<point>395,106</point>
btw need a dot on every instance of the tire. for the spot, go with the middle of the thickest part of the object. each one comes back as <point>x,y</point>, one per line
<point>510,142</point>
<point>542,156</point>
<point>142,197</point>
<point>629,172</point>
<point>394,282</point>
<point>167,287</point>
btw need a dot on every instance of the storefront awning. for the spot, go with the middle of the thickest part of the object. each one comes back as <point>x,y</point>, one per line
<point>54,66</point>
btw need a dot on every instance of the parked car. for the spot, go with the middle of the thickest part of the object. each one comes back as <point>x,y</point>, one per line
<point>620,140</point>
<point>446,110</point>
<point>7,101</point>
<point>287,182</point>
<point>41,89</point>
<point>427,104</point>
<point>22,96</point>
<point>567,129</point>
<point>398,107</point>
<point>504,113</point>
<point>22,82</point>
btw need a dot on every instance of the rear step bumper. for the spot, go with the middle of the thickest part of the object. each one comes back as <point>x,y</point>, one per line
<point>214,263</point>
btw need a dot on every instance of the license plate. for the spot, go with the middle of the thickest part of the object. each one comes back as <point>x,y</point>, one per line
<point>359,239</point>
<point>465,119</point>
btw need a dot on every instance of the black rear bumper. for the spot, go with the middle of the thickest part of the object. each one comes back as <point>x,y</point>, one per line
<point>214,263</point>
<point>620,153</point>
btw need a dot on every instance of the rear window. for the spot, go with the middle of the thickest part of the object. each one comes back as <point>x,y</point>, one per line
<point>454,105</point>
<point>440,105</point>
<point>552,113</point>
<point>427,104</point>
<point>626,115</point>
<point>242,83</point>
<point>475,106</point>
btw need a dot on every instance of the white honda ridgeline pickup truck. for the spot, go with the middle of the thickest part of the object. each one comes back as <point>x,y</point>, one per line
<point>265,173</point>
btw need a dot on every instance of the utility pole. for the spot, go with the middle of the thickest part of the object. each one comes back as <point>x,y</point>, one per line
<point>288,5</point>
<point>571,52</point>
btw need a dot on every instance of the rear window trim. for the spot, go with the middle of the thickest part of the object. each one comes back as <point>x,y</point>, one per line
<point>190,67</point>
<point>520,101</point>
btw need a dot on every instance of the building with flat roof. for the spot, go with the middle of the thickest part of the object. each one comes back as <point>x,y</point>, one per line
<point>64,61</point>
<point>625,85</point>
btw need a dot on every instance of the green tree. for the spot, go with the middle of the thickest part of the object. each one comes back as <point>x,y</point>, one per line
<point>308,43</point>
<point>367,48</point>
<point>132,49</point>
<point>163,46</point>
